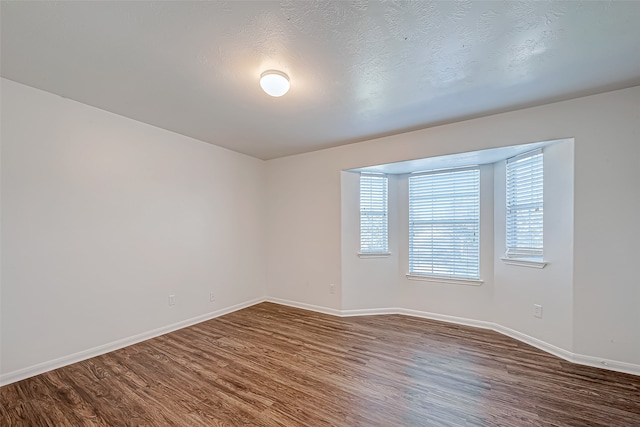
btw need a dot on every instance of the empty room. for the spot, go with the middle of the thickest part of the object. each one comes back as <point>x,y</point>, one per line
<point>320,213</point>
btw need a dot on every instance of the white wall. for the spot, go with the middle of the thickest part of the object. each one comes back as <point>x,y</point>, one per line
<point>303,213</point>
<point>517,288</point>
<point>368,282</point>
<point>306,189</point>
<point>103,217</point>
<point>607,232</point>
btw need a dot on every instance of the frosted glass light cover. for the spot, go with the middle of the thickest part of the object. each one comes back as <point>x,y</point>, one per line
<point>274,83</point>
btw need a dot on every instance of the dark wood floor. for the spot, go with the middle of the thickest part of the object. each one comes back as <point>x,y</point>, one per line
<point>270,365</point>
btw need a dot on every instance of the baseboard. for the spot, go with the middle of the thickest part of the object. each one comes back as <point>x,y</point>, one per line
<point>535,342</point>
<point>304,306</point>
<point>41,368</point>
<point>446,318</point>
<point>368,312</point>
<point>612,365</point>
<point>579,359</point>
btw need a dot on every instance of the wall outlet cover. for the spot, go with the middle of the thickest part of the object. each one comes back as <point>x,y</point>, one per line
<point>537,310</point>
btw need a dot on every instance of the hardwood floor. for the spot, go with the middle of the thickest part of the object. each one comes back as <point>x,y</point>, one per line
<point>270,365</point>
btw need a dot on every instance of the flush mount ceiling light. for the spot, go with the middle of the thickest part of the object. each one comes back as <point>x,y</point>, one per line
<point>274,83</point>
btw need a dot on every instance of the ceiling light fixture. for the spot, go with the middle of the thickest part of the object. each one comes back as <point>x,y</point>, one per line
<point>274,83</point>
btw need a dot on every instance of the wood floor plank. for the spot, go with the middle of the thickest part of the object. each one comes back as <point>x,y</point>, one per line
<point>271,365</point>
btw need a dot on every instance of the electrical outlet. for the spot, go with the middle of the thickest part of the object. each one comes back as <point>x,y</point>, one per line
<point>172,299</point>
<point>537,310</point>
<point>332,288</point>
<point>212,296</point>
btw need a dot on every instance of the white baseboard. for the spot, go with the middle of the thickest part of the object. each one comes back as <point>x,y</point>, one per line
<point>534,342</point>
<point>446,318</point>
<point>579,359</point>
<point>368,312</point>
<point>50,365</point>
<point>612,365</point>
<point>304,306</point>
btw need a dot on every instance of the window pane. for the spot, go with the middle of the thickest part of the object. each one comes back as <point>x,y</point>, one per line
<point>373,214</point>
<point>444,224</point>
<point>525,206</point>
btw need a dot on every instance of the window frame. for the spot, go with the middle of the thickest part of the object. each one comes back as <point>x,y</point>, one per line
<point>530,206</point>
<point>464,275</point>
<point>367,237</point>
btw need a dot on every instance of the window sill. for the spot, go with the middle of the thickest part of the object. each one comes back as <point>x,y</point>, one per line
<point>524,262</point>
<point>449,280</point>
<point>374,254</point>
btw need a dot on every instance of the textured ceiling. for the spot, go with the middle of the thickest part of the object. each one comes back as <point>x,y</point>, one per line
<point>358,69</point>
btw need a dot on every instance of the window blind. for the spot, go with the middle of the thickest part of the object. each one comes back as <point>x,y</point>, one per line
<point>373,213</point>
<point>525,206</point>
<point>444,223</point>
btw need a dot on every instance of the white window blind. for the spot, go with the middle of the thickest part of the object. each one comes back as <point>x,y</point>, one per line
<point>525,206</point>
<point>373,214</point>
<point>444,224</point>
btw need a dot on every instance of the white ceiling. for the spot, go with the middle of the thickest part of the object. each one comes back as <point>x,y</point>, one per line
<point>450,161</point>
<point>358,69</point>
